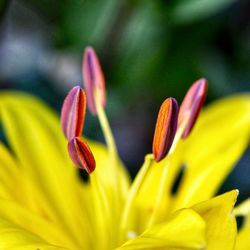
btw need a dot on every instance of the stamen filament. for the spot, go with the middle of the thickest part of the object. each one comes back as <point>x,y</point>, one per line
<point>107,132</point>
<point>134,190</point>
<point>103,216</point>
<point>163,182</point>
<point>114,159</point>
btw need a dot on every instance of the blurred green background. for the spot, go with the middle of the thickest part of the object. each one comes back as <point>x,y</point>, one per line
<point>149,49</point>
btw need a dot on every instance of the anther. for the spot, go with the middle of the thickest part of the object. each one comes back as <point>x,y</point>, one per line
<point>93,79</point>
<point>73,113</point>
<point>191,105</point>
<point>165,128</point>
<point>81,154</point>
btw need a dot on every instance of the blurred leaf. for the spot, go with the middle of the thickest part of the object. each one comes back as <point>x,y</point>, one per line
<point>3,5</point>
<point>88,22</point>
<point>141,49</point>
<point>192,10</point>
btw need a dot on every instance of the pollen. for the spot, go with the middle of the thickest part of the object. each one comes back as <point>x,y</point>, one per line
<point>191,105</point>
<point>165,128</point>
<point>73,113</point>
<point>81,154</point>
<point>93,79</point>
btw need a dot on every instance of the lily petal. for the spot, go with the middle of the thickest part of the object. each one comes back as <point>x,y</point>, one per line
<point>16,238</point>
<point>220,221</point>
<point>32,222</point>
<point>184,229</point>
<point>243,209</point>
<point>243,242</point>
<point>63,198</point>
<point>37,150</point>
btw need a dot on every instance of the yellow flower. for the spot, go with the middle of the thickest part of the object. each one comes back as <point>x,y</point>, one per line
<point>44,204</point>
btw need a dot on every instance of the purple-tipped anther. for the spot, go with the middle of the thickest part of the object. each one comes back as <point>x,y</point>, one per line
<point>191,105</point>
<point>73,113</point>
<point>165,128</point>
<point>81,154</point>
<point>93,79</point>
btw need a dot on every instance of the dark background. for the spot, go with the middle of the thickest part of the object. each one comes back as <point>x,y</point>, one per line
<point>149,49</point>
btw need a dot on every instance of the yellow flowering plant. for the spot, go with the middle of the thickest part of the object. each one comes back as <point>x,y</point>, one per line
<point>44,204</point>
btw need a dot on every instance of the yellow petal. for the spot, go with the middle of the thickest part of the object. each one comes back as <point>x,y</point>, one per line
<point>184,229</point>
<point>16,238</point>
<point>243,242</point>
<point>34,223</point>
<point>48,178</point>
<point>244,210</point>
<point>39,149</point>
<point>220,221</point>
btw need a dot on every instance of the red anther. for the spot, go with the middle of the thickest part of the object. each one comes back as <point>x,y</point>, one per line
<point>81,154</point>
<point>192,104</point>
<point>73,113</point>
<point>93,78</point>
<point>165,128</point>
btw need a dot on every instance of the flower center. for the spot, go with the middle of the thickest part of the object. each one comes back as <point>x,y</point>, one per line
<point>131,235</point>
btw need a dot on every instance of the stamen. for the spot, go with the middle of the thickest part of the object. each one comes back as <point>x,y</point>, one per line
<point>191,105</point>
<point>93,78</point>
<point>73,113</point>
<point>96,94</point>
<point>165,128</point>
<point>133,192</point>
<point>96,99</point>
<point>81,154</point>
